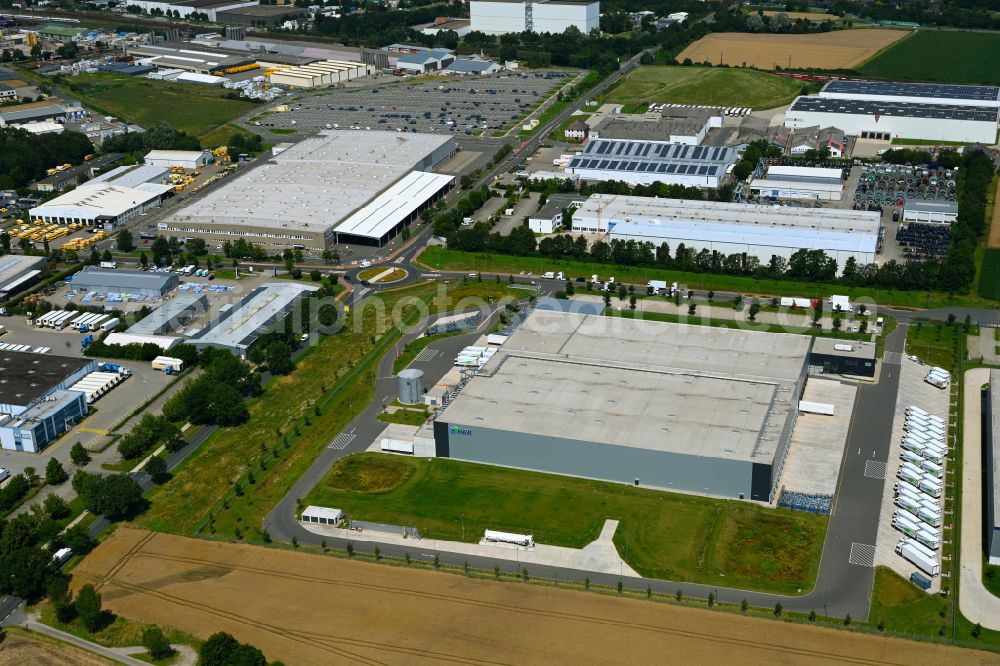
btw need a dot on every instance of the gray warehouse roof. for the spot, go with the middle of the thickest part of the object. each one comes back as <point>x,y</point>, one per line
<point>900,109</point>
<point>932,206</point>
<point>240,326</point>
<point>13,266</point>
<point>173,314</point>
<point>647,157</point>
<point>110,279</point>
<point>704,391</point>
<point>844,348</point>
<point>25,376</point>
<point>995,444</point>
<point>944,91</point>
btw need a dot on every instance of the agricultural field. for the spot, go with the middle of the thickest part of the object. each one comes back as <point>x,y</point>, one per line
<point>949,56</point>
<point>20,648</point>
<point>670,535</point>
<point>192,108</point>
<point>841,49</point>
<point>705,85</point>
<point>304,608</point>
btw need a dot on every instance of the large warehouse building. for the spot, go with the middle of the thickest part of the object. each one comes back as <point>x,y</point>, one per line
<point>239,327</point>
<point>540,16</point>
<point>732,228</point>
<point>915,93</point>
<point>19,272</point>
<point>99,204</point>
<point>357,187</point>
<point>669,406</point>
<point>897,120</point>
<point>645,162</point>
<point>35,406</point>
<point>991,470</point>
<point>142,284</point>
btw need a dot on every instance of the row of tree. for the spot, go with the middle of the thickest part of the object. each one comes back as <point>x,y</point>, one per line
<point>217,395</point>
<point>25,157</point>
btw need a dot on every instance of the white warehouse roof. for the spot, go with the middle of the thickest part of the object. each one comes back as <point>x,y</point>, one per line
<point>388,209</point>
<point>89,201</point>
<point>174,155</point>
<point>805,172</point>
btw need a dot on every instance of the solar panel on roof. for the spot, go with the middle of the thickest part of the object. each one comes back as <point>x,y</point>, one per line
<point>702,170</point>
<point>896,89</point>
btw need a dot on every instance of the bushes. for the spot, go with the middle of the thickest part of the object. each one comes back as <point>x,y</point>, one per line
<point>149,432</point>
<point>116,497</point>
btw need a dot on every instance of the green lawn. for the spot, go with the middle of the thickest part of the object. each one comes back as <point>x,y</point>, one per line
<point>934,343</point>
<point>192,108</point>
<point>439,258</point>
<point>972,57</point>
<point>732,323</point>
<point>904,607</point>
<point>705,85</point>
<point>413,417</point>
<point>288,408</point>
<point>989,275</point>
<point>666,535</point>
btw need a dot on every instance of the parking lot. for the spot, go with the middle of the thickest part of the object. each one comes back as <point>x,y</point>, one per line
<point>913,390</point>
<point>464,106</point>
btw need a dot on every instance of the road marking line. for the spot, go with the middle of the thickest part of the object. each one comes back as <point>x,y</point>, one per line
<point>425,355</point>
<point>341,441</point>
<point>892,358</point>
<point>862,554</point>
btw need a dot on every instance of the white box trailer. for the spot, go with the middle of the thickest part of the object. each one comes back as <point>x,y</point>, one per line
<point>932,455</point>
<point>930,517</point>
<point>60,322</point>
<point>95,323</point>
<point>396,446</point>
<point>906,515</point>
<point>906,527</point>
<point>167,362</point>
<point>903,486</point>
<point>930,487</point>
<point>110,324</point>
<point>525,540</point>
<point>910,456</point>
<point>928,539</point>
<point>916,410</point>
<point>75,321</point>
<point>907,549</point>
<point>62,556</point>
<point>909,475</point>
<point>908,504</point>
<point>932,468</point>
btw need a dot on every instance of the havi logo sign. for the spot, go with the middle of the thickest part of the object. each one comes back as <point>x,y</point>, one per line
<point>455,430</point>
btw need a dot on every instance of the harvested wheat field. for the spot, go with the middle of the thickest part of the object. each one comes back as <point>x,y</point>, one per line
<point>841,49</point>
<point>18,649</point>
<point>310,609</point>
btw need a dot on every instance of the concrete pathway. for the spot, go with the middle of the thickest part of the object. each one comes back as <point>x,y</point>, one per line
<point>974,600</point>
<point>599,556</point>
<point>32,623</point>
<point>188,657</point>
<point>986,344</point>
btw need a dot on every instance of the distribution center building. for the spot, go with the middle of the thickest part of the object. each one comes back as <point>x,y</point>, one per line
<point>644,162</point>
<point>991,469</point>
<point>35,405</point>
<point>797,182</point>
<point>732,228</point>
<point>142,284</point>
<point>669,406</point>
<point>897,120</point>
<point>357,187</point>
<point>19,272</point>
<point>538,16</point>
<point>916,93</point>
<point>239,327</point>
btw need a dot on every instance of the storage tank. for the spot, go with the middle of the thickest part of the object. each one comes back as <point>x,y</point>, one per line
<point>411,386</point>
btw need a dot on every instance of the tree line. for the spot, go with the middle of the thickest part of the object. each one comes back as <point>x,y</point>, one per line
<point>953,274</point>
<point>25,157</point>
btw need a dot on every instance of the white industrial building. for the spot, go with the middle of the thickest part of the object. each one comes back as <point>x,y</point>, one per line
<point>915,93</point>
<point>896,120</point>
<point>187,159</point>
<point>937,211</point>
<point>732,228</point>
<point>188,7</point>
<point>644,162</point>
<point>338,186</point>
<point>318,74</point>
<point>795,182</point>
<point>239,327</point>
<point>503,16</point>
<point>99,204</point>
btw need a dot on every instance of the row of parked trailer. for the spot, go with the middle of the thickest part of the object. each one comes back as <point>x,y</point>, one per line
<point>75,320</point>
<point>96,384</point>
<point>918,491</point>
<point>474,357</point>
<point>938,377</point>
